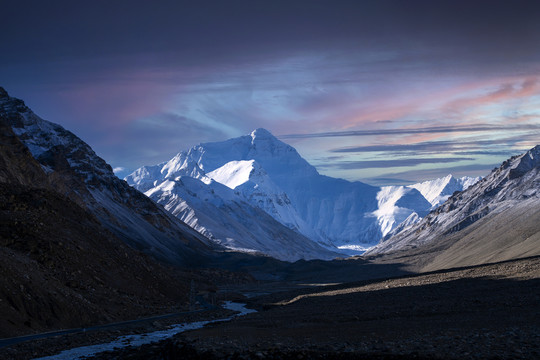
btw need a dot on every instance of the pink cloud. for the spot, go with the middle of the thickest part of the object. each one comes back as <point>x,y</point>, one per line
<point>507,91</point>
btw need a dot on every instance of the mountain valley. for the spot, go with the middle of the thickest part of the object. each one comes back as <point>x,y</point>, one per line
<point>442,269</point>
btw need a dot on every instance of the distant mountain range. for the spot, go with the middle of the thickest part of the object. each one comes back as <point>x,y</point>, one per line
<point>220,189</point>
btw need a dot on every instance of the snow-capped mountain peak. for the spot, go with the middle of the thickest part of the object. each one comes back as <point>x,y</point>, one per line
<point>438,190</point>
<point>268,174</point>
<point>147,177</point>
<point>395,204</point>
<point>272,176</point>
<point>276,157</point>
<point>182,165</point>
<point>261,134</point>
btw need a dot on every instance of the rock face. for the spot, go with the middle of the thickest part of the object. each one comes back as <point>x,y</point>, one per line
<point>62,269</point>
<point>74,170</point>
<point>498,218</point>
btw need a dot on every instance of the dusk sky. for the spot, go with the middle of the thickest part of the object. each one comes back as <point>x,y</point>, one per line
<point>385,92</point>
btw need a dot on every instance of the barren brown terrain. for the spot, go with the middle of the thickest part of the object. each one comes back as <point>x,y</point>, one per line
<point>481,312</point>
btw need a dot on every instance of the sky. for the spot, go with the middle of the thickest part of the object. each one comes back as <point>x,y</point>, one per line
<point>385,92</point>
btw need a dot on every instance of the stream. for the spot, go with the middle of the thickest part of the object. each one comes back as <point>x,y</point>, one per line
<point>147,338</point>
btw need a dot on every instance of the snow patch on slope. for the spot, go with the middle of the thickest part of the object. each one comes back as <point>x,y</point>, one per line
<point>233,173</point>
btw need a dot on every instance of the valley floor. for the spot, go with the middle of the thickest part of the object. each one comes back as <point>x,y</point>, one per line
<point>488,312</point>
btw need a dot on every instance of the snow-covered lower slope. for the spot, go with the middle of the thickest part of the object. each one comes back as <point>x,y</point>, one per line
<point>217,212</point>
<point>514,183</point>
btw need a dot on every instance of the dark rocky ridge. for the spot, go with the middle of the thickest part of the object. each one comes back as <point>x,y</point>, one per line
<point>74,170</point>
<point>60,268</point>
<point>63,264</point>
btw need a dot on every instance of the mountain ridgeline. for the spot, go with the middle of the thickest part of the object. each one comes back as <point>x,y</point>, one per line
<point>496,219</point>
<point>252,194</point>
<point>74,170</point>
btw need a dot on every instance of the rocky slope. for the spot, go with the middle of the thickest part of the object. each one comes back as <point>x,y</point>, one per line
<point>74,170</point>
<point>496,219</point>
<point>60,267</point>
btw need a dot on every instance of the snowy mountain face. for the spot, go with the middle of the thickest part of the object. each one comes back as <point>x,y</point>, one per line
<point>395,204</point>
<point>253,184</point>
<point>516,183</point>
<point>76,171</point>
<point>267,174</point>
<point>239,214</point>
<point>331,211</point>
<point>218,213</point>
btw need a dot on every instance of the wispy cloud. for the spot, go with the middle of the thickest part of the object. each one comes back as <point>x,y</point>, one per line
<point>370,164</point>
<point>407,131</point>
<point>493,146</point>
<point>512,90</point>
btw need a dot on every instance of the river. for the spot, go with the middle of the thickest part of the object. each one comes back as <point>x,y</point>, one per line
<point>147,338</point>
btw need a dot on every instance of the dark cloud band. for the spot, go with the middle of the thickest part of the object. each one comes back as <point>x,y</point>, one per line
<point>369,164</point>
<point>411,131</point>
